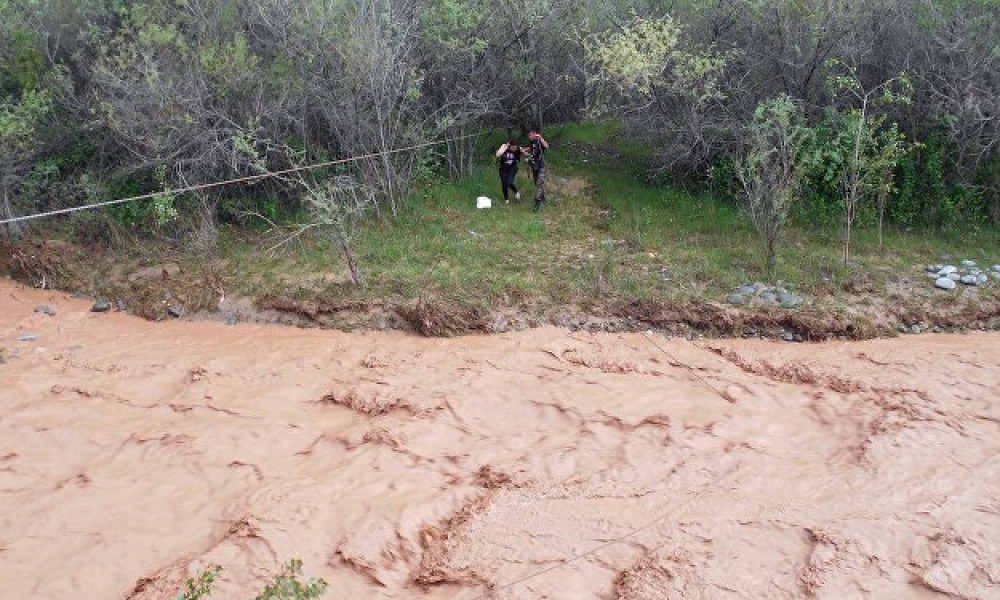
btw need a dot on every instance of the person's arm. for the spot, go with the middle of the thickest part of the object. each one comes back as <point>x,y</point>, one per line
<point>503,148</point>
<point>542,140</point>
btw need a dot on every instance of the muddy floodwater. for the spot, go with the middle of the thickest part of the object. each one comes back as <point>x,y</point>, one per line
<point>541,464</point>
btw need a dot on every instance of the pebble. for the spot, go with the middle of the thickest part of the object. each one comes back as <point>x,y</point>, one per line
<point>776,294</point>
<point>232,320</point>
<point>26,338</point>
<point>736,300</point>
<point>789,300</point>
<point>915,329</point>
<point>176,311</point>
<point>45,310</point>
<point>101,306</point>
<point>945,283</point>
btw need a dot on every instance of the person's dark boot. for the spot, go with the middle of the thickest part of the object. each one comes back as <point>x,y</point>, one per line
<point>538,206</point>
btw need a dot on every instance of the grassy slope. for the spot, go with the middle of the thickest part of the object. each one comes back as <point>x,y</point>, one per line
<point>607,239</point>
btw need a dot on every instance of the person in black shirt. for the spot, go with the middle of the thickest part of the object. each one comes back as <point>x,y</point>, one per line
<point>537,150</point>
<point>510,157</point>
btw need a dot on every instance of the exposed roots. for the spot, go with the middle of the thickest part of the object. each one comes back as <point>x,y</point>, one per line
<point>444,319</point>
<point>719,320</point>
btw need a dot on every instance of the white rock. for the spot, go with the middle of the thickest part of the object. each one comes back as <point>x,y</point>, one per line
<point>954,276</point>
<point>970,280</point>
<point>945,283</point>
<point>484,202</point>
<point>947,270</point>
<point>982,278</point>
<point>968,263</point>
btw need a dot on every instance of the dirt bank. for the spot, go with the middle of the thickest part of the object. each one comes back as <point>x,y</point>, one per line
<point>542,464</point>
<point>164,283</point>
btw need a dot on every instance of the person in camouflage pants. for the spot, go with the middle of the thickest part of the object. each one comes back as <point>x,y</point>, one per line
<point>537,156</point>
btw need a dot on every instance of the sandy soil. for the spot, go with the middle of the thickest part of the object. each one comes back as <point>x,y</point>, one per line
<point>542,464</point>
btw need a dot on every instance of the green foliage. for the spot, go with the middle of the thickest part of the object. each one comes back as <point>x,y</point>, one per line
<point>647,56</point>
<point>926,195</point>
<point>200,586</point>
<point>19,121</point>
<point>25,69</point>
<point>455,26</point>
<point>870,147</point>
<point>772,168</point>
<point>288,585</point>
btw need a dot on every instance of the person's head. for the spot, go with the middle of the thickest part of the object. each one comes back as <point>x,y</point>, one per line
<point>533,134</point>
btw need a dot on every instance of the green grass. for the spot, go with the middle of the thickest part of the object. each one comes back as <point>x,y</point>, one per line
<point>606,235</point>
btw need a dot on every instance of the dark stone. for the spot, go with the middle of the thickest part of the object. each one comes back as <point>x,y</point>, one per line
<point>232,319</point>
<point>45,310</point>
<point>736,300</point>
<point>789,300</point>
<point>101,306</point>
<point>176,311</point>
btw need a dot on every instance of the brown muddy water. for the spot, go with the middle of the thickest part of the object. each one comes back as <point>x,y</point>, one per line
<point>541,464</point>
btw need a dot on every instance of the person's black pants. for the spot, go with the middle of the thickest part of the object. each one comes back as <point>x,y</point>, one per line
<point>508,179</point>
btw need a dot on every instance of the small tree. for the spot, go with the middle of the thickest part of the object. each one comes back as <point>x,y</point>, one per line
<point>892,147</point>
<point>871,149</point>
<point>339,204</point>
<point>770,169</point>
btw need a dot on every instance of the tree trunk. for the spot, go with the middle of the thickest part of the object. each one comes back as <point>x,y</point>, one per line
<point>881,216</point>
<point>847,236</point>
<point>10,230</point>
<point>772,257</point>
<point>352,260</point>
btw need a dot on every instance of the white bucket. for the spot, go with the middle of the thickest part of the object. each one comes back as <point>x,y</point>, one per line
<point>484,202</point>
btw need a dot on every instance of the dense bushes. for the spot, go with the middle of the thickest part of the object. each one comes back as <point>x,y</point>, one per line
<point>100,98</point>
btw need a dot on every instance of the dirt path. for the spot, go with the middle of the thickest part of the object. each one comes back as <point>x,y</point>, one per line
<point>133,454</point>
